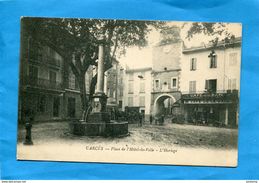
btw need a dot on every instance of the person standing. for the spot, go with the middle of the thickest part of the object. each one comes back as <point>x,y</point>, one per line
<point>151,119</point>
<point>140,119</point>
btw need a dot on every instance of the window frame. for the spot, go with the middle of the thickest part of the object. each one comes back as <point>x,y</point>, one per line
<point>144,102</point>
<point>130,97</point>
<point>41,103</point>
<point>213,62</point>
<point>159,84</point>
<point>51,74</point>
<point>130,89</point>
<point>231,63</point>
<point>176,84</point>
<point>231,84</point>
<point>191,88</point>
<point>131,76</point>
<point>140,88</point>
<point>193,64</point>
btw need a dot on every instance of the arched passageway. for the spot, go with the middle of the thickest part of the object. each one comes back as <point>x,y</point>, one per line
<point>163,104</point>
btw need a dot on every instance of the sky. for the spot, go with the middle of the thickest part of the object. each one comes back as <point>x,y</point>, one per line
<point>139,58</point>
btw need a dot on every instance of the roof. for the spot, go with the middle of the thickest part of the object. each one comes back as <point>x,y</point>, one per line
<point>139,69</point>
<point>221,44</point>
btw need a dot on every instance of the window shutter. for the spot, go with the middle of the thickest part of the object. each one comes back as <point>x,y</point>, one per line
<point>215,60</point>
<point>194,86</point>
<point>229,84</point>
<point>191,64</point>
<point>234,81</point>
<point>194,63</point>
<point>207,84</point>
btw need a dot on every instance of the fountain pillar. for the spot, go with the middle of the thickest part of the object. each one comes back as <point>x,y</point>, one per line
<point>98,122</point>
<point>98,117</point>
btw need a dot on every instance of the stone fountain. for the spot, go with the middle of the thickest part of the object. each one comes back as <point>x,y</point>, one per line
<point>98,123</point>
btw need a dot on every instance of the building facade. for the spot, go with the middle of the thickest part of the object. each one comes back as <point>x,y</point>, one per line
<point>114,86</point>
<point>48,90</point>
<point>166,69</point>
<point>137,90</point>
<point>210,83</point>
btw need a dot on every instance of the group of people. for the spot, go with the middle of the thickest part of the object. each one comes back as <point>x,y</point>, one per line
<point>157,119</point>
<point>135,116</point>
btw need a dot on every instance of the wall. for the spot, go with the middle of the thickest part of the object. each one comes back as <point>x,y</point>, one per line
<point>169,55</point>
<point>203,71</point>
<point>78,106</point>
<point>136,89</point>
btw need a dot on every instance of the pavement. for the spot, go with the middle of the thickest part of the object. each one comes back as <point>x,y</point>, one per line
<point>167,144</point>
<point>167,134</point>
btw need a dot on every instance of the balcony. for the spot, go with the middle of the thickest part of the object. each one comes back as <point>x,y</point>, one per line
<point>51,62</point>
<point>42,83</point>
<point>164,90</point>
<point>219,97</point>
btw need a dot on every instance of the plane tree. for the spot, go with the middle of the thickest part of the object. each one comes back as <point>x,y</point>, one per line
<point>77,40</point>
<point>217,31</point>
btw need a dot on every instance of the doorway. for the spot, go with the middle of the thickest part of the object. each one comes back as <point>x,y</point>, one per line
<point>56,104</point>
<point>71,107</point>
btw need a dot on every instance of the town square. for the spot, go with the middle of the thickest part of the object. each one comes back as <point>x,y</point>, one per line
<point>163,85</point>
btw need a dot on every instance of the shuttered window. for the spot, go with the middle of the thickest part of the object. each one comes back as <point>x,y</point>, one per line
<point>193,63</point>
<point>192,86</point>
<point>232,59</point>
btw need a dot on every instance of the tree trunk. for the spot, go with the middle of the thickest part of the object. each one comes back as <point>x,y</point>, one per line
<point>84,98</point>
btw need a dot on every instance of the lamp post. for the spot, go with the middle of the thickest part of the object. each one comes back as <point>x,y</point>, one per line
<point>28,140</point>
<point>28,126</point>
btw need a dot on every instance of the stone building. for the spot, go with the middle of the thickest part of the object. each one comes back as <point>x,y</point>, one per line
<point>72,100</point>
<point>210,83</point>
<point>48,90</point>
<point>137,90</point>
<point>113,86</point>
<point>166,68</point>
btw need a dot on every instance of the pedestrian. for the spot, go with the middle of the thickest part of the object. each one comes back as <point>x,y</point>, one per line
<point>140,119</point>
<point>162,119</point>
<point>151,119</point>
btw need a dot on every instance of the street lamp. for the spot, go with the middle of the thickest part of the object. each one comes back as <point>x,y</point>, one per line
<point>140,77</point>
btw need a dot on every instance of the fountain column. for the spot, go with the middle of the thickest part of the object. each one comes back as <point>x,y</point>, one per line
<point>98,122</point>
<point>99,98</point>
<point>100,69</point>
<point>98,118</point>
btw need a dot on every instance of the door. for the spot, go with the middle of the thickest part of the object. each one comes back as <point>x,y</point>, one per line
<point>211,85</point>
<point>56,104</point>
<point>71,107</point>
<point>33,75</point>
<point>52,79</point>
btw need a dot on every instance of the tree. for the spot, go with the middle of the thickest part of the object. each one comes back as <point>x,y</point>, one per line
<point>170,35</point>
<point>76,40</point>
<point>217,31</point>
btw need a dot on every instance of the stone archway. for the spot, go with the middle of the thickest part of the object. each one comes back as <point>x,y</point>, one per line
<point>159,103</point>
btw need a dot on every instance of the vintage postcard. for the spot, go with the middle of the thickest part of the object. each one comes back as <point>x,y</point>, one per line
<point>127,91</point>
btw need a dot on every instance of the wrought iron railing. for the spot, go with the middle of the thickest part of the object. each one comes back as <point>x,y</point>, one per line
<point>210,97</point>
<point>165,90</point>
<point>47,60</point>
<point>42,83</point>
<point>53,61</point>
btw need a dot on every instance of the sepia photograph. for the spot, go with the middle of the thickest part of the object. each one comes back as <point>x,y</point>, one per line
<point>129,91</point>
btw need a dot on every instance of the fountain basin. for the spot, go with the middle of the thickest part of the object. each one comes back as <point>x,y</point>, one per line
<point>113,129</point>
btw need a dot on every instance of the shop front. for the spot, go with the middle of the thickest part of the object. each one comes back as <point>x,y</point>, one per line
<point>216,109</point>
